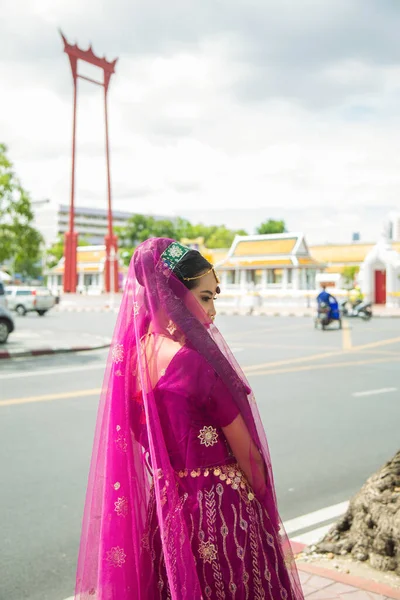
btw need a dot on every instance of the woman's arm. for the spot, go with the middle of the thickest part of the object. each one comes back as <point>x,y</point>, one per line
<point>246,453</point>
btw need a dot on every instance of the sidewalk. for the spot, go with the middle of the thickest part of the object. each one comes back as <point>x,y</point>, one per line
<point>321,583</point>
<point>31,342</point>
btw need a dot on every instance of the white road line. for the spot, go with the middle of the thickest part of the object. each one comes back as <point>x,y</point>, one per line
<point>312,537</point>
<point>374,392</point>
<point>319,516</point>
<point>43,372</point>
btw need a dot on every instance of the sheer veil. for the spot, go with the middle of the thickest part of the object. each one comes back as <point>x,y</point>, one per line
<point>158,315</point>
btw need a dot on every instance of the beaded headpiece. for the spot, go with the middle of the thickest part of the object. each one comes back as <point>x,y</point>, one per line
<point>174,254</point>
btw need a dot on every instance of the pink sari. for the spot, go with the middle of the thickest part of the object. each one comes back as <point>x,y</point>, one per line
<point>169,513</point>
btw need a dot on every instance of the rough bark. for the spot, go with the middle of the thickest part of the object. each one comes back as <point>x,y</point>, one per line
<point>370,530</point>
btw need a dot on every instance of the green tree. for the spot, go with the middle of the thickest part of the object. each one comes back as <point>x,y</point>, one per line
<point>56,251</point>
<point>20,242</point>
<point>271,226</point>
<point>140,228</point>
<point>349,274</point>
<point>222,237</point>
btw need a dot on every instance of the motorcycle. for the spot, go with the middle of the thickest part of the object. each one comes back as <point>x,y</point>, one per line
<point>360,309</point>
<point>328,313</point>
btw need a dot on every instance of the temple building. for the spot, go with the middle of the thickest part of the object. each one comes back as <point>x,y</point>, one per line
<point>269,261</point>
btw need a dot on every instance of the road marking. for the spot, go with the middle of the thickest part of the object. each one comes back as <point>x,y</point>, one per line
<point>312,537</point>
<point>291,361</point>
<point>352,350</point>
<point>353,363</point>
<point>277,329</point>
<point>50,397</point>
<point>374,392</point>
<point>313,518</point>
<point>51,372</point>
<point>346,335</point>
<point>378,344</point>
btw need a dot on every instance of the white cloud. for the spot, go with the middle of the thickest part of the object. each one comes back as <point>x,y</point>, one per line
<point>203,126</point>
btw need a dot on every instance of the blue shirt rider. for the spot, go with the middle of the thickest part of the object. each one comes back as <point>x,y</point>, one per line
<point>327,298</point>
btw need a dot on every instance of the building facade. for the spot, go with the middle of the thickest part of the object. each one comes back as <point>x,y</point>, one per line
<point>90,271</point>
<point>91,223</point>
<point>262,262</point>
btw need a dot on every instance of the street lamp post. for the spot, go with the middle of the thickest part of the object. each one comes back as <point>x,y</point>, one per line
<point>71,237</point>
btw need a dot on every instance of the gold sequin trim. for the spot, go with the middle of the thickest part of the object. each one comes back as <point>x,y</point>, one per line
<point>208,436</point>
<point>230,474</point>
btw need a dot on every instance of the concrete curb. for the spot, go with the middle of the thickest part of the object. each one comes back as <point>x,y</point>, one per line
<point>88,309</point>
<point>4,354</point>
<point>367,585</point>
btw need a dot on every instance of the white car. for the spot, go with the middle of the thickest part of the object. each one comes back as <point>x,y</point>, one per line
<point>29,299</point>
<point>7,324</point>
<point>3,297</point>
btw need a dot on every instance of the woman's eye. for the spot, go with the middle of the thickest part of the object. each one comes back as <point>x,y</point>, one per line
<point>206,298</point>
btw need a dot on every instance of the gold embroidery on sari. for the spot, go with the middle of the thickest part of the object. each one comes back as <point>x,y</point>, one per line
<point>260,525</point>
<point>161,572</point>
<point>121,506</point>
<point>181,542</point>
<point>240,551</point>
<point>207,551</point>
<point>211,513</point>
<point>121,443</point>
<point>208,436</point>
<point>117,353</point>
<point>258,589</point>
<point>116,557</point>
<point>225,533</point>
<point>201,537</point>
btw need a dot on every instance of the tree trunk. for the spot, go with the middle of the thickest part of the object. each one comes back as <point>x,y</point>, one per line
<point>370,530</point>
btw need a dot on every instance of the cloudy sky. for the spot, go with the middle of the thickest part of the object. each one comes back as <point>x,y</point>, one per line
<point>225,111</point>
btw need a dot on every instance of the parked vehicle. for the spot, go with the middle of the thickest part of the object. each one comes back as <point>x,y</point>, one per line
<point>361,309</point>
<point>3,297</point>
<point>29,299</point>
<point>7,325</point>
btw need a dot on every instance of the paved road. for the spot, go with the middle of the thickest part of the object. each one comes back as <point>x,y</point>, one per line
<point>328,400</point>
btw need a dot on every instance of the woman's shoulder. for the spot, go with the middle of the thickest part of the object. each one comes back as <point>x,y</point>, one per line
<point>195,359</point>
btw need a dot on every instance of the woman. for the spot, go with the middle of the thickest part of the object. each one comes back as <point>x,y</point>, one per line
<point>180,501</point>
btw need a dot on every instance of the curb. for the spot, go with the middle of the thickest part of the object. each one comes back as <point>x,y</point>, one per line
<point>367,585</point>
<point>96,309</point>
<point>4,354</point>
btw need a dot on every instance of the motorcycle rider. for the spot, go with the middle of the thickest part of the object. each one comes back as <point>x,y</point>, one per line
<point>355,296</point>
<point>327,299</point>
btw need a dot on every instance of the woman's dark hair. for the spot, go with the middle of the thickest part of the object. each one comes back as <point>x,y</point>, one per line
<point>192,264</point>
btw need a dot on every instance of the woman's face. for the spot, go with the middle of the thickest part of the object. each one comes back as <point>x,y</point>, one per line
<point>205,293</point>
